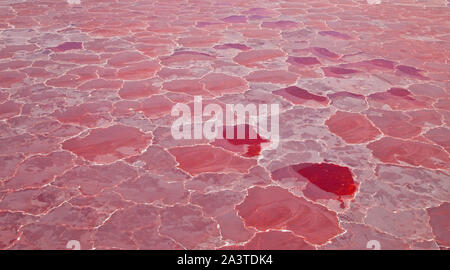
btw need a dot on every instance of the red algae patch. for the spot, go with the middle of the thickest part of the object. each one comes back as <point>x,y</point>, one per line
<point>86,114</point>
<point>274,240</point>
<point>235,19</point>
<point>254,145</point>
<point>182,57</point>
<point>372,66</point>
<point>252,141</point>
<point>440,136</point>
<point>66,46</point>
<point>78,58</point>
<point>338,72</point>
<point>125,58</point>
<point>352,127</point>
<point>391,150</point>
<point>324,52</point>
<point>261,33</point>
<point>3,96</point>
<point>39,170</point>
<point>237,46</point>
<point>139,71</point>
<point>274,208</point>
<point>335,34</point>
<point>92,179</point>
<point>156,106</point>
<point>397,99</point>
<point>394,123</point>
<point>439,223</point>
<point>283,25</point>
<point>187,225</point>
<point>297,95</point>
<point>302,61</point>
<point>9,78</point>
<point>411,71</point>
<point>219,84</point>
<point>272,76</point>
<point>106,145</point>
<point>253,57</point>
<point>9,109</point>
<point>324,180</point>
<point>35,201</point>
<point>65,81</point>
<point>147,189</point>
<point>198,41</point>
<point>382,63</point>
<point>329,177</point>
<point>191,87</point>
<point>206,158</point>
<point>138,89</point>
<point>153,107</point>
<point>92,149</point>
<point>348,101</point>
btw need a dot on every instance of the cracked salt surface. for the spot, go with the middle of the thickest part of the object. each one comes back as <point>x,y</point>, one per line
<point>86,152</point>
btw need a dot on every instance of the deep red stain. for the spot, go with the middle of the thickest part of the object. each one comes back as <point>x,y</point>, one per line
<point>412,71</point>
<point>400,92</point>
<point>328,177</point>
<point>238,46</point>
<point>335,34</point>
<point>325,52</point>
<point>203,24</point>
<point>338,70</point>
<point>345,94</point>
<point>257,17</point>
<point>302,93</point>
<point>66,46</point>
<point>235,19</point>
<point>303,60</point>
<point>251,138</point>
